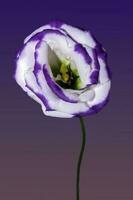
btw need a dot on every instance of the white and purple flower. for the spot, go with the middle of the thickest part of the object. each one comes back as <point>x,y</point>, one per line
<point>65,70</point>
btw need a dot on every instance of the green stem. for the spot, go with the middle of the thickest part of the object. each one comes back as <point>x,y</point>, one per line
<point>80,157</point>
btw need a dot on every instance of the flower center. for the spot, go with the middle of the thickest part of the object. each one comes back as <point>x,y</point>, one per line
<point>65,74</point>
<point>67,77</point>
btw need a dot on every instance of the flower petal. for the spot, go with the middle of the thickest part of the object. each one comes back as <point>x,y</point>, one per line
<point>87,95</point>
<point>24,74</point>
<point>57,114</point>
<point>83,65</point>
<point>25,61</point>
<point>83,37</point>
<point>39,30</point>
<point>105,73</point>
<point>101,93</point>
<point>55,102</point>
<point>43,63</point>
<point>93,110</point>
<point>95,67</point>
<point>32,85</point>
<point>37,96</point>
<point>54,25</point>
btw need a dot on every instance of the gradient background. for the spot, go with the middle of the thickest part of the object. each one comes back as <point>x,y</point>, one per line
<point>38,154</point>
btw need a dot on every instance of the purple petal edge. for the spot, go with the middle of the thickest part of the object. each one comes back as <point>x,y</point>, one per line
<point>81,50</point>
<point>96,63</point>
<point>41,97</point>
<point>93,110</point>
<point>103,55</point>
<point>39,36</point>
<point>37,67</point>
<point>55,88</point>
<point>56,24</point>
<point>94,77</point>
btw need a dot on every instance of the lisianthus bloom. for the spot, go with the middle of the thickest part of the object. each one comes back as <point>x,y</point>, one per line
<point>65,70</point>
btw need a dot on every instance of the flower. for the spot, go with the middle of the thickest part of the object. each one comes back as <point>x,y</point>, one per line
<point>65,70</point>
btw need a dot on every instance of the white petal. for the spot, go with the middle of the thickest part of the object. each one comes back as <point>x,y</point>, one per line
<point>46,90</point>
<point>87,95</point>
<point>72,107</point>
<point>24,71</point>
<point>82,67</point>
<point>42,59</point>
<point>25,61</point>
<point>83,37</point>
<point>35,98</point>
<point>101,93</point>
<point>60,44</point>
<point>103,74</point>
<point>31,81</point>
<point>57,114</point>
<point>57,103</point>
<point>37,31</point>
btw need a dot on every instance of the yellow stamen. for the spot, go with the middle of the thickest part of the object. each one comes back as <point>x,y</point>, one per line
<point>65,77</point>
<point>64,72</point>
<point>63,68</point>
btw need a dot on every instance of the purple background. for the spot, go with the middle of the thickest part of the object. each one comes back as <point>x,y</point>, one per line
<point>38,154</point>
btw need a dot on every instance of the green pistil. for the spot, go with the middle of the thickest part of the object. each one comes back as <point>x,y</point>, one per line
<point>65,76</point>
